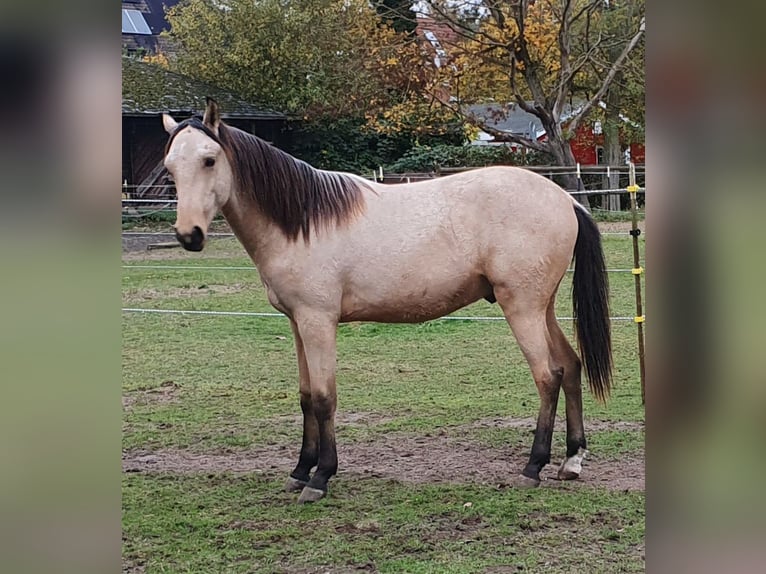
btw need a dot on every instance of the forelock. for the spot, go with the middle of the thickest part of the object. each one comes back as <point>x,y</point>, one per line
<point>196,123</point>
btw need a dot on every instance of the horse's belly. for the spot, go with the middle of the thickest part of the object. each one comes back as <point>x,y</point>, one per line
<point>405,304</point>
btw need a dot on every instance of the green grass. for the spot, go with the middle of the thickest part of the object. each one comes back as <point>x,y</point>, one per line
<point>243,524</point>
<point>605,215</point>
<point>221,384</point>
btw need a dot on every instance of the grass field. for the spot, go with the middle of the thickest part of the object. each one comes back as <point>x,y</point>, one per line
<point>434,421</point>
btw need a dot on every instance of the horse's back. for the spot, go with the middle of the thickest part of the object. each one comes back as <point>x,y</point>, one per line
<point>479,207</point>
<point>501,187</point>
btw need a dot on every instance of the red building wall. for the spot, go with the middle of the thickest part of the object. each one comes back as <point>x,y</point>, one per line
<point>585,143</point>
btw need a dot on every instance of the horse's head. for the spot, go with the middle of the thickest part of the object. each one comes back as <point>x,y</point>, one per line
<point>197,163</point>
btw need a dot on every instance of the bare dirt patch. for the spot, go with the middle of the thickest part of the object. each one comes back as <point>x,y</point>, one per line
<point>151,294</point>
<point>140,243</point>
<point>530,423</point>
<point>138,248</point>
<point>165,393</point>
<point>133,567</point>
<point>342,419</point>
<point>434,459</point>
<point>619,226</point>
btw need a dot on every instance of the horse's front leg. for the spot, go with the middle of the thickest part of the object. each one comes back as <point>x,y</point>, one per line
<point>310,445</point>
<point>318,337</point>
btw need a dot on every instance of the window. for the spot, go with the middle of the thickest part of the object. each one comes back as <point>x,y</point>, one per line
<point>599,155</point>
<point>133,23</point>
<point>440,53</point>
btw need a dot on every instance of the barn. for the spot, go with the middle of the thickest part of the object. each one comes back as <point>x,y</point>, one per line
<point>148,91</point>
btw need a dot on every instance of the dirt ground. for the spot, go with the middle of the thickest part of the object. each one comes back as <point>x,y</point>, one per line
<point>408,459</point>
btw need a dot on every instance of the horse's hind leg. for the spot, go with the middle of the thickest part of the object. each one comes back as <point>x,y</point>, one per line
<point>566,357</point>
<point>310,446</point>
<point>527,320</point>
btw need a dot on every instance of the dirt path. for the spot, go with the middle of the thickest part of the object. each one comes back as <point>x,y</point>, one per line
<point>433,459</point>
<point>619,226</point>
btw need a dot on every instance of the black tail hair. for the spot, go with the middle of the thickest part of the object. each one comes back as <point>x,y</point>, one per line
<point>590,298</point>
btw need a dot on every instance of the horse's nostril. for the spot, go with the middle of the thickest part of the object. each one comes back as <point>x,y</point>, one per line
<point>193,241</point>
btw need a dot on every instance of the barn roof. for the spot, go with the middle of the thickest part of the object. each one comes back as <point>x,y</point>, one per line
<point>150,89</point>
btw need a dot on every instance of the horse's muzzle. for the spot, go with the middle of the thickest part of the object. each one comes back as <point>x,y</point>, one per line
<point>193,241</point>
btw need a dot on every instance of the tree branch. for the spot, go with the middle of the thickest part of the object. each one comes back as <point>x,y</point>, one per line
<point>608,79</point>
<point>502,136</point>
<point>499,135</point>
<point>566,66</point>
<point>497,14</point>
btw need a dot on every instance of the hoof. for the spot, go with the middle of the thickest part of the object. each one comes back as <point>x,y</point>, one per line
<point>571,468</point>
<point>294,485</point>
<point>309,494</point>
<point>526,482</point>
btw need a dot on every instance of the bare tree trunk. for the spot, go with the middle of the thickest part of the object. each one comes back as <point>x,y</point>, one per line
<point>612,146</point>
<point>562,155</point>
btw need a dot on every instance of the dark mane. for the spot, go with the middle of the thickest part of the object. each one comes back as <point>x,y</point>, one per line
<point>296,196</point>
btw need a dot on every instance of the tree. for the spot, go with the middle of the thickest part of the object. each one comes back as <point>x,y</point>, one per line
<point>623,114</point>
<point>541,55</point>
<point>399,13</point>
<point>306,58</point>
<point>337,63</point>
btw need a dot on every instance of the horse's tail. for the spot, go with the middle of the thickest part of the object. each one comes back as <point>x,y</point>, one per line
<point>590,298</point>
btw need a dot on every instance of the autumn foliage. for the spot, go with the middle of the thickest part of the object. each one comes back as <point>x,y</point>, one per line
<point>315,59</point>
<point>366,63</point>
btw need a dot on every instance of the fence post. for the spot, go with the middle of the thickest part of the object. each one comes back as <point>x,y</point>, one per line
<point>637,272</point>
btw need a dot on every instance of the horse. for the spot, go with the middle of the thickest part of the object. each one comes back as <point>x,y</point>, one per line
<point>333,247</point>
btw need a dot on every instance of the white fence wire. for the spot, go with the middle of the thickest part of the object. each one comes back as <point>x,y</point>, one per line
<point>282,315</point>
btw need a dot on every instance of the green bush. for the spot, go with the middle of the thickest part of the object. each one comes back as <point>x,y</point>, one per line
<point>348,145</point>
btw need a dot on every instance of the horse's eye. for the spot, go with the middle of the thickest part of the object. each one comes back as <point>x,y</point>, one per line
<point>209,162</point>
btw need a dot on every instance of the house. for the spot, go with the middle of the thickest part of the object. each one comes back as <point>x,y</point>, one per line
<point>437,36</point>
<point>587,144</point>
<point>148,91</point>
<point>142,23</point>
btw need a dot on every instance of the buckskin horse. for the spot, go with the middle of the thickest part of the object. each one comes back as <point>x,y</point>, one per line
<point>333,247</point>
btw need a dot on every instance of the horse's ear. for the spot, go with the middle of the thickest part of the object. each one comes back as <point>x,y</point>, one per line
<point>212,116</point>
<point>169,123</point>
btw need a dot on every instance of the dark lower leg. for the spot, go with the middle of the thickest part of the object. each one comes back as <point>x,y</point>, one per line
<point>571,383</point>
<point>324,412</point>
<point>310,445</point>
<point>573,394</point>
<point>575,429</point>
<point>541,446</point>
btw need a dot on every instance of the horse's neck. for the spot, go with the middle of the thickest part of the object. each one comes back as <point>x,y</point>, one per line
<point>260,237</point>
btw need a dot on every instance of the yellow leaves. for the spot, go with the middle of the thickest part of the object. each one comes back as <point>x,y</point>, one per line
<point>487,62</point>
<point>159,59</point>
<point>415,115</point>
